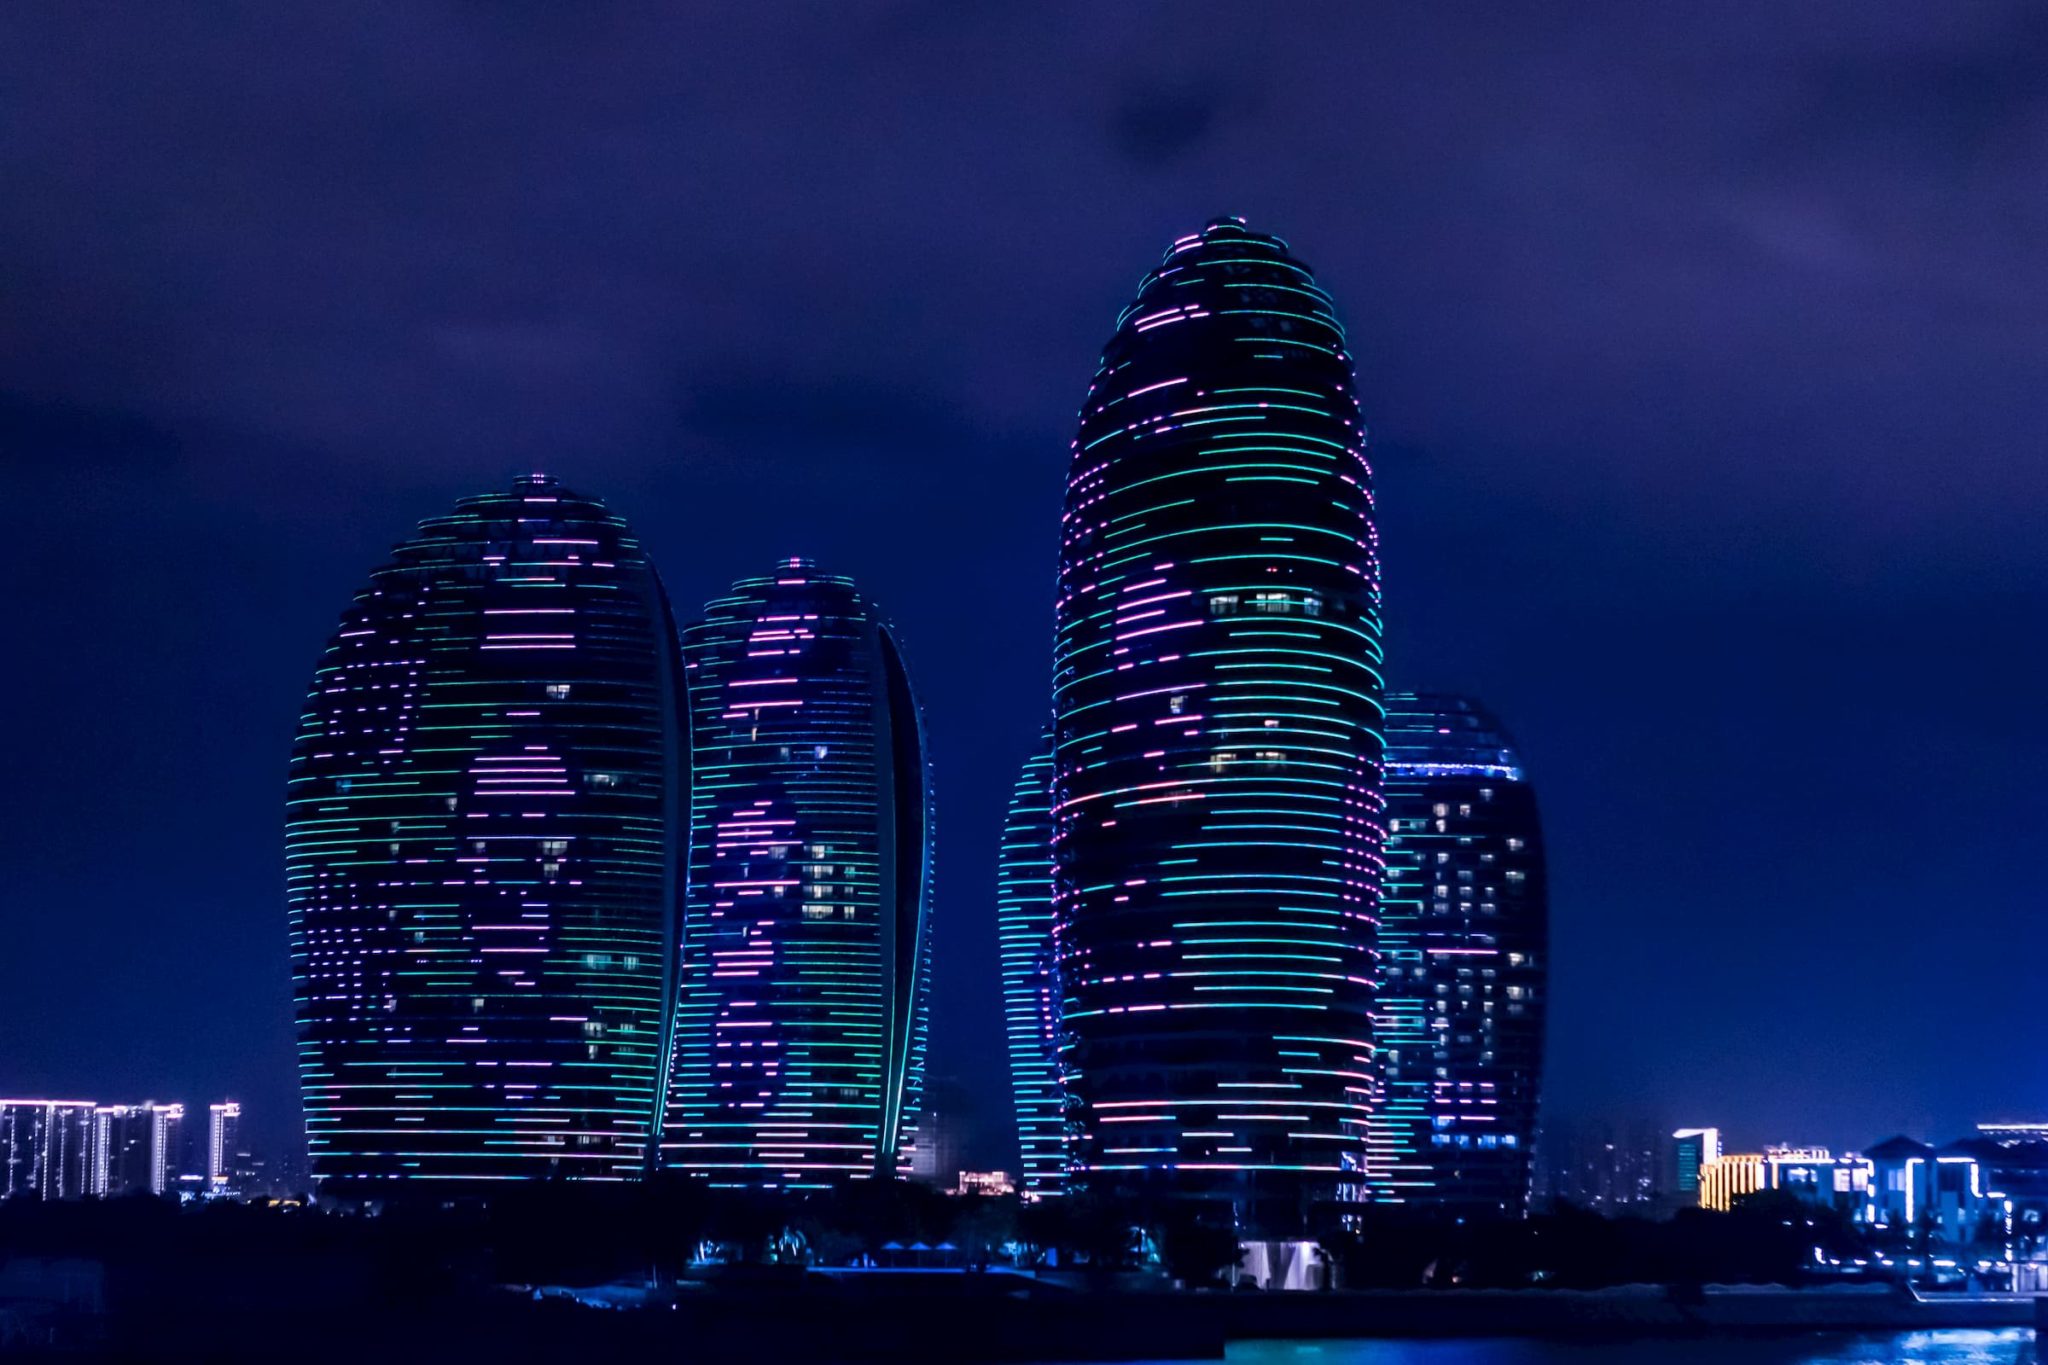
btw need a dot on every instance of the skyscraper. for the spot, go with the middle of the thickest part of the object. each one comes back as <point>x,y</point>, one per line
<point>800,1019</point>
<point>1216,786</point>
<point>1031,1000</point>
<point>135,1148</point>
<point>45,1148</point>
<point>223,1138</point>
<point>1464,953</point>
<point>479,868</point>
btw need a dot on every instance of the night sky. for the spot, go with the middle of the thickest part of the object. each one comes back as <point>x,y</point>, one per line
<point>1702,346</point>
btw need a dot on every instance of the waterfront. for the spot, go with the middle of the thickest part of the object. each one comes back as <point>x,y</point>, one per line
<point>1957,1346</point>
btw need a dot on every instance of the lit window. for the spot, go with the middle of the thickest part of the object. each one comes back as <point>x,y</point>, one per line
<point>558,691</point>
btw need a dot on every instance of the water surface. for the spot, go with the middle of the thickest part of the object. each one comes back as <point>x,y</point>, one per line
<point>2008,1346</point>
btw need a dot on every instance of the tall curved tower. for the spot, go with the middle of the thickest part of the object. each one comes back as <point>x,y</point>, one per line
<point>1216,780</point>
<point>481,883</point>
<point>800,1020</point>
<point>1031,999</point>
<point>1465,949</point>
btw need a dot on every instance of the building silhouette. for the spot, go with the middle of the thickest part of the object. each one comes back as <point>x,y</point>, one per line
<point>1031,999</point>
<point>800,1023</point>
<point>1463,961</point>
<point>480,873</point>
<point>1217,820</point>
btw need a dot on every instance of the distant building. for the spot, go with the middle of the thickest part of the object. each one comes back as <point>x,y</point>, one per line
<point>1464,949</point>
<point>1691,1150</point>
<point>1812,1173</point>
<point>943,1129</point>
<point>1616,1169</point>
<point>1939,1194</point>
<point>1819,1177</point>
<point>1721,1180</point>
<point>2015,1161</point>
<point>1031,996</point>
<point>135,1148</point>
<point>47,1148</point>
<point>985,1183</point>
<point>223,1137</point>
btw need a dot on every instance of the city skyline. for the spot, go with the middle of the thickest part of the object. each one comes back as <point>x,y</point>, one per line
<point>1699,383</point>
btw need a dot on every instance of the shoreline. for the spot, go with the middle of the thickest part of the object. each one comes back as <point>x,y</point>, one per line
<point>911,1325</point>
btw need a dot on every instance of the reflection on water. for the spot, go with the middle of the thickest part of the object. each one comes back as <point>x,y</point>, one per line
<point>2011,1346</point>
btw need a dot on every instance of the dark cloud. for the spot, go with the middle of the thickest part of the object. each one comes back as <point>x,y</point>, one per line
<point>875,419</point>
<point>82,437</point>
<point>1155,122</point>
<point>1943,108</point>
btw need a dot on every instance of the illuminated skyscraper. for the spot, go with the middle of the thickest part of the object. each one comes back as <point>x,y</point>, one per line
<point>223,1137</point>
<point>1464,953</point>
<point>800,1018</point>
<point>45,1148</point>
<point>1216,784</point>
<point>1031,1001</point>
<point>135,1148</point>
<point>479,864</point>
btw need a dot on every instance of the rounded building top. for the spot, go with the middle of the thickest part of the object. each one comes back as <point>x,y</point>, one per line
<point>1249,280</point>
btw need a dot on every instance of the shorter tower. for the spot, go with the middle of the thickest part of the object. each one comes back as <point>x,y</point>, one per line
<point>1464,933</point>
<point>799,1040</point>
<point>1031,995</point>
<point>223,1135</point>
<point>480,863</point>
<point>135,1147</point>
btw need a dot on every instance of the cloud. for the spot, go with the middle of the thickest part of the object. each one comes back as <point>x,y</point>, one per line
<point>1934,108</point>
<point>53,432</point>
<point>1155,122</point>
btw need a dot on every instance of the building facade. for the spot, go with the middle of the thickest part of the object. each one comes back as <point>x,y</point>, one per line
<point>1928,1196</point>
<point>136,1148</point>
<point>1031,996</point>
<point>1730,1176</point>
<point>1616,1168</point>
<point>1464,949</point>
<point>46,1146</point>
<point>800,1024</point>
<point>481,880</point>
<point>223,1141</point>
<point>1216,807</point>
